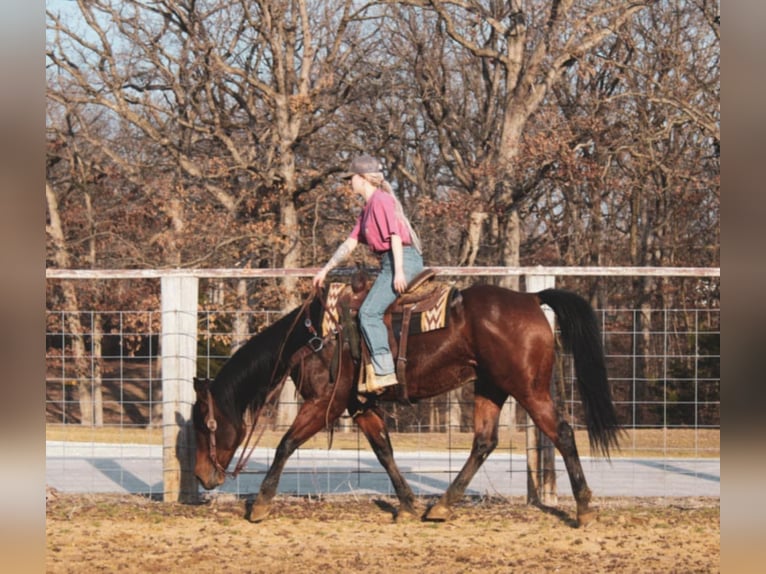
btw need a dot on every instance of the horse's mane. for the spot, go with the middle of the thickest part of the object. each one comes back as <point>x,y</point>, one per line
<point>250,373</point>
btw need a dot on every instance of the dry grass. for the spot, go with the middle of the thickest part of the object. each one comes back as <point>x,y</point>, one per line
<point>660,443</point>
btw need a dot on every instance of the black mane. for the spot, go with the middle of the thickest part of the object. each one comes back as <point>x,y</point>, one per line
<point>252,371</point>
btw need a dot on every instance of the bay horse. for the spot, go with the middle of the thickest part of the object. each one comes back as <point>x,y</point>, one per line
<point>496,338</point>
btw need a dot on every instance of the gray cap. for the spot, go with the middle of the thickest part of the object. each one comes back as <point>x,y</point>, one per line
<point>363,164</point>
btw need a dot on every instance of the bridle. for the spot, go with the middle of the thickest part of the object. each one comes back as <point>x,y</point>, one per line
<point>314,345</point>
<point>212,426</point>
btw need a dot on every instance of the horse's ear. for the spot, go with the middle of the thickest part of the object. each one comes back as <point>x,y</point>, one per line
<point>201,385</point>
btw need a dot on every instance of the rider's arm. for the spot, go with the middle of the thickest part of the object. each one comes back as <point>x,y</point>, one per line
<point>343,251</point>
<point>400,281</point>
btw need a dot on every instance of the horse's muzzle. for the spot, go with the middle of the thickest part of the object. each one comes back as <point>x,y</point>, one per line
<point>214,479</point>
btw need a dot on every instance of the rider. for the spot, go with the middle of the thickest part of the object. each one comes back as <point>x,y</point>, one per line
<point>384,228</point>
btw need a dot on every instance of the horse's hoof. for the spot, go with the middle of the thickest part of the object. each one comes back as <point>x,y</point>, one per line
<point>437,513</point>
<point>585,518</point>
<point>259,512</point>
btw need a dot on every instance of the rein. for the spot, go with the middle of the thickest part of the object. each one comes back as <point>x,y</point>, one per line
<point>314,345</point>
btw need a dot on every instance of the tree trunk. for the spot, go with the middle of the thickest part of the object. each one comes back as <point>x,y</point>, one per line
<point>82,372</point>
<point>645,374</point>
<point>508,414</point>
<point>455,408</point>
<point>291,252</point>
<point>98,386</point>
<point>97,336</point>
<point>287,409</point>
<point>511,247</point>
<point>240,328</point>
<point>72,323</point>
<point>473,238</point>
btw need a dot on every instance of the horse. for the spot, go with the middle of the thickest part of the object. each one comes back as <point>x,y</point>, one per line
<point>495,338</point>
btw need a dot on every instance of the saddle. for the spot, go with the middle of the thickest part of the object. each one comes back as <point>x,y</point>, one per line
<point>421,308</point>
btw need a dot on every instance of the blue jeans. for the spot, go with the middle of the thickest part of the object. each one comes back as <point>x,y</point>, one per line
<point>381,295</point>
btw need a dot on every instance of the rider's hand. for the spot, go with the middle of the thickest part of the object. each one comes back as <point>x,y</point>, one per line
<point>400,282</point>
<point>319,279</point>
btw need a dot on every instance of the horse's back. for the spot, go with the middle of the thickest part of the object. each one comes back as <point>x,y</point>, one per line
<point>516,317</point>
<point>506,303</point>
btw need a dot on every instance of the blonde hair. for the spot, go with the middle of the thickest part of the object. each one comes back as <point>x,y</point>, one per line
<point>378,179</point>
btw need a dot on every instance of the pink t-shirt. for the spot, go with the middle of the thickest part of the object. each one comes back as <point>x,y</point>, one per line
<point>378,222</point>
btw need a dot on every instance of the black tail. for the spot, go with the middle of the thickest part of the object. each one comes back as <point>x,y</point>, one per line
<point>581,336</point>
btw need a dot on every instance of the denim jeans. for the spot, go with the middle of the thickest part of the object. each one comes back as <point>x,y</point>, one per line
<point>381,295</point>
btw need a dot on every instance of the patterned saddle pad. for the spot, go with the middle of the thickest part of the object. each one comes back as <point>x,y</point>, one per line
<point>429,309</point>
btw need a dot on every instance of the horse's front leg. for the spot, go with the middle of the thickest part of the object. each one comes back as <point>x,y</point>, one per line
<point>371,423</point>
<point>309,421</point>
<point>486,418</point>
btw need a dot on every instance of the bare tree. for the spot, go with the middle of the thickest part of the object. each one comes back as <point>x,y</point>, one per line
<point>55,230</point>
<point>637,181</point>
<point>204,133</point>
<point>483,70</point>
<point>202,108</point>
<point>222,96</point>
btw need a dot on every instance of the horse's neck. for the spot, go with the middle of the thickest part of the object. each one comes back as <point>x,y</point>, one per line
<point>270,352</point>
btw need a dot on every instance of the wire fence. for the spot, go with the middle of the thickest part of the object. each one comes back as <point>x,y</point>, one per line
<point>663,364</point>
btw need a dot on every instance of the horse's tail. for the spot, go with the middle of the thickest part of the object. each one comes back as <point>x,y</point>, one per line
<point>580,335</point>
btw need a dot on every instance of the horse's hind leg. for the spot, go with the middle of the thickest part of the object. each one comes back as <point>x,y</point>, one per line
<point>309,421</point>
<point>371,423</point>
<point>486,417</point>
<point>547,419</point>
<point>568,448</point>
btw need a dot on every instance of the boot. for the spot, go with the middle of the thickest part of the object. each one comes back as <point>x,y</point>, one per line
<point>378,383</point>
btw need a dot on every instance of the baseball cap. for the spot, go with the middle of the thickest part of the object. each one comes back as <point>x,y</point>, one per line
<point>362,164</point>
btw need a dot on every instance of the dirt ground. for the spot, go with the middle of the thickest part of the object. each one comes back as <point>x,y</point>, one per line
<point>123,533</point>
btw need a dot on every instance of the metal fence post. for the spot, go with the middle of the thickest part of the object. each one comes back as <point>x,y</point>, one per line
<point>179,366</point>
<point>541,462</point>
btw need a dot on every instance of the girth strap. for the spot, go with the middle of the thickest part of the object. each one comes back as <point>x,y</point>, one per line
<point>401,358</point>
